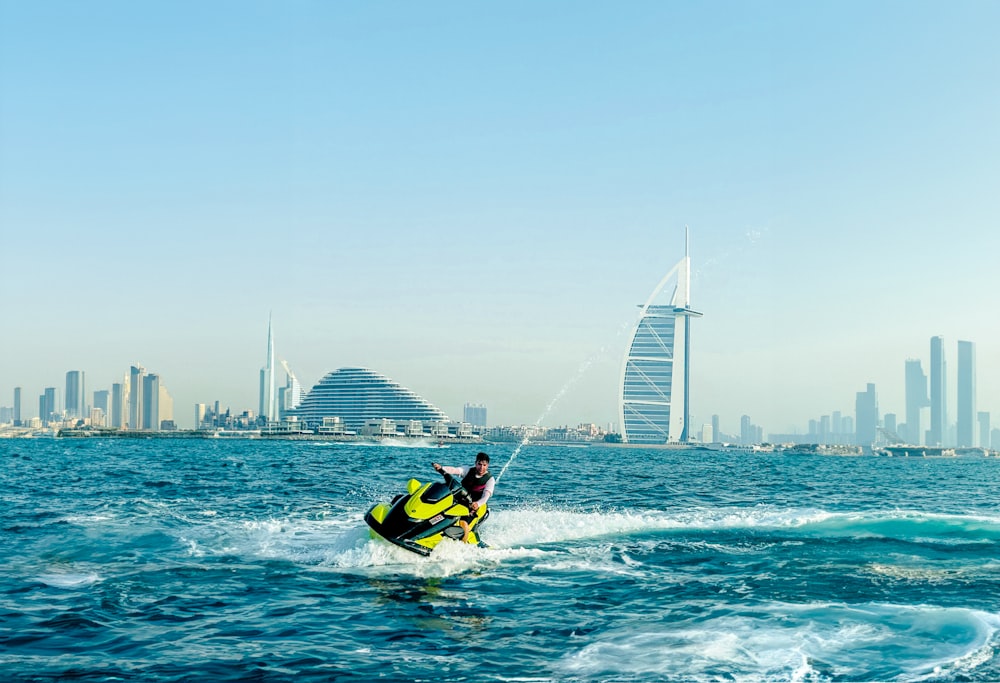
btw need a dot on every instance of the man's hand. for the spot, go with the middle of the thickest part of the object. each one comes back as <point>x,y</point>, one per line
<point>475,506</point>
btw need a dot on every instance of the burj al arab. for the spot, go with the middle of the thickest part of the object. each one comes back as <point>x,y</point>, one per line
<point>654,394</point>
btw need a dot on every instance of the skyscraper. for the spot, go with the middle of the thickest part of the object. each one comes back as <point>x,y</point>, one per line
<point>474,414</point>
<point>939,417</point>
<point>654,395</point>
<point>75,394</point>
<point>17,406</point>
<point>965,400</point>
<point>866,416</point>
<point>151,401</point>
<point>746,431</point>
<point>290,395</point>
<point>119,404</point>
<point>267,391</point>
<point>165,413</point>
<point>102,400</point>
<point>135,395</point>
<point>102,403</point>
<point>889,423</point>
<point>47,406</point>
<point>916,401</point>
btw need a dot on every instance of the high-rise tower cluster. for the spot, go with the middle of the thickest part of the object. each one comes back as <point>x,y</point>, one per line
<point>967,430</point>
<point>140,401</point>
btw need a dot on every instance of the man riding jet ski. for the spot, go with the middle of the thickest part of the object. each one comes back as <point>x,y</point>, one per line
<point>419,519</point>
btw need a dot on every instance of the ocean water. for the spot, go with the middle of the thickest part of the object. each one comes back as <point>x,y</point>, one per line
<point>248,560</point>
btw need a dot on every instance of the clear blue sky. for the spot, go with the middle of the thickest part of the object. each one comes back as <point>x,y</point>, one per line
<point>471,198</point>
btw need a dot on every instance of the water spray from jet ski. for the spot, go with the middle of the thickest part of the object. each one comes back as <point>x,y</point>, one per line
<point>580,372</point>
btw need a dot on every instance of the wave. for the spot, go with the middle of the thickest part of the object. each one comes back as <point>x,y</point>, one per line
<point>915,526</point>
<point>344,541</point>
<point>536,526</point>
<point>339,544</point>
<point>936,573</point>
<point>403,443</point>
<point>69,580</point>
<point>787,642</point>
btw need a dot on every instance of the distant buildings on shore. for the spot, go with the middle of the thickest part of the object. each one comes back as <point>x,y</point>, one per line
<point>926,403</point>
<point>653,400</point>
<point>139,401</point>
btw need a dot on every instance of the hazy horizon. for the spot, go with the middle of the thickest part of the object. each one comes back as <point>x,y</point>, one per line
<point>473,199</point>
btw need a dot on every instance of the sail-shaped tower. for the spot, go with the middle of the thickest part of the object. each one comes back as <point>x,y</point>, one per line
<point>654,394</point>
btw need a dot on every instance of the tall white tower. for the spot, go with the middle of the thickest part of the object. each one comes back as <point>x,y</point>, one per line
<point>654,393</point>
<point>267,391</point>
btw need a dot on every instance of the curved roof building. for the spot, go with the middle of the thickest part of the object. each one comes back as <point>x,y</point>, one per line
<point>654,395</point>
<point>357,394</point>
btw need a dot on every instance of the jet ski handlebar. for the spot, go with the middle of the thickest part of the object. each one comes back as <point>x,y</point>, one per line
<point>456,488</point>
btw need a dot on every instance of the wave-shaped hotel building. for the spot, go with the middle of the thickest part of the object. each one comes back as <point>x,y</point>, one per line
<point>360,395</point>
<point>653,399</point>
<point>654,392</point>
<point>349,401</point>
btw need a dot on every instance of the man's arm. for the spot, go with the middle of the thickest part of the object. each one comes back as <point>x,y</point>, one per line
<point>487,492</point>
<point>457,471</point>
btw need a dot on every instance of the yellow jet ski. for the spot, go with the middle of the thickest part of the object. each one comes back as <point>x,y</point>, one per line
<point>427,513</point>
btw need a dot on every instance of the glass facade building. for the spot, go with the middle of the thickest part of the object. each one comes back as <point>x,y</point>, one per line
<point>916,400</point>
<point>965,404</point>
<point>654,390</point>
<point>357,395</point>
<point>939,410</point>
<point>866,417</point>
<point>75,402</point>
<point>475,414</point>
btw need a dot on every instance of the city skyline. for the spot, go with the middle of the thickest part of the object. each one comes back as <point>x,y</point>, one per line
<point>473,200</point>
<point>981,428</point>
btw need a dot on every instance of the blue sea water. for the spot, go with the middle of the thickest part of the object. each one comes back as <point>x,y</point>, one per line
<point>248,560</point>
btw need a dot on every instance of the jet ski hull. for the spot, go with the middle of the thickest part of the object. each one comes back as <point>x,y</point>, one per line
<point>424,516</point>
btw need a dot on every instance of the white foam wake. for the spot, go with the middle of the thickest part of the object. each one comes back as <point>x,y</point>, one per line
<point>784,642</point>
<point>515,527</point>
<point>344,542</point>
<point>69,580</point>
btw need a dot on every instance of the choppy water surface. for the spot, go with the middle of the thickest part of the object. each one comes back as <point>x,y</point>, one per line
<point>186,560</point>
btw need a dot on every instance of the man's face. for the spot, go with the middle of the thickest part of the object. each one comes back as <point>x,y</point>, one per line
<point>481,467</point>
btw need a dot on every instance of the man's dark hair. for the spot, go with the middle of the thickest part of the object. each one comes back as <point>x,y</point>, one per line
<point>482,456</point>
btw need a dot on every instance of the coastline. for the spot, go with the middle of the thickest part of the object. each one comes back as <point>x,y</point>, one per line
<point>250,434</point>
<point>440,442</point>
